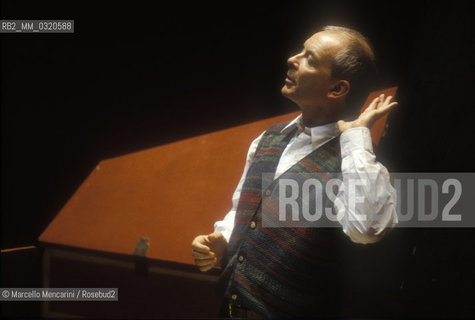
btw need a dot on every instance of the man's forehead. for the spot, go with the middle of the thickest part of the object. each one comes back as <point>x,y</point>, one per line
<point>324,41</point>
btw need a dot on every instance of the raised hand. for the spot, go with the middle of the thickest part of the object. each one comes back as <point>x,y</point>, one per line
<point>378,107</point>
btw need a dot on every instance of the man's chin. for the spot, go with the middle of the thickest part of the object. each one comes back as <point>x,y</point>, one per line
<point>286,92</point>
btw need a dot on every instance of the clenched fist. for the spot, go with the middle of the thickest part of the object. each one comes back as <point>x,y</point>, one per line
<point>208,250</point>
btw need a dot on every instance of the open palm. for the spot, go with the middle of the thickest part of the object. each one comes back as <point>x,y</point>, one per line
<point>378,108</point>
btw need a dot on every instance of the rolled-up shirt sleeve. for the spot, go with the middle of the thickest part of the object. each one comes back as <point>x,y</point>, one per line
<point>226,225</point>
<point>366,200</point>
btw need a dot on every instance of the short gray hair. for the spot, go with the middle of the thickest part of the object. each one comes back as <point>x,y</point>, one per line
<point>356,64</point>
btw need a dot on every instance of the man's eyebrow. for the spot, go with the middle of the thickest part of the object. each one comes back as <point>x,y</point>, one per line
<point>309,51</point>
<point>314,56</point>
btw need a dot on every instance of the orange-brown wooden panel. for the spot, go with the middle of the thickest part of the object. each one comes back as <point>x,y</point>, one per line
<point>169,194</point>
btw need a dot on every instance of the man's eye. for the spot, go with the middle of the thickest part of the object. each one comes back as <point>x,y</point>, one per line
<point>311,61</point>
<point>309,58</point>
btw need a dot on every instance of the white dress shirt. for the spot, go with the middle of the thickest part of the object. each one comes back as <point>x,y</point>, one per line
<point>364,223</point>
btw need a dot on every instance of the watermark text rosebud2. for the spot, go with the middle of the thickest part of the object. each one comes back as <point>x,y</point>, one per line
<point>420,199</point>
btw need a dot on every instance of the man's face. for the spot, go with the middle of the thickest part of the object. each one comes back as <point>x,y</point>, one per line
<point>309,77</point>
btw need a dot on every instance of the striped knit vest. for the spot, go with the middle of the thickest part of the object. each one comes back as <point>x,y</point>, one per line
<point>281,272</point>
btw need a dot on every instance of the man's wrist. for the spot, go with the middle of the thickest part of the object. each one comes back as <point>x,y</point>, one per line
<point>226,234</point>
<point>357,138</point>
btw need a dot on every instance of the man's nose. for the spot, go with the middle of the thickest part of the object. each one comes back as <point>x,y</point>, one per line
<point>293,62</point>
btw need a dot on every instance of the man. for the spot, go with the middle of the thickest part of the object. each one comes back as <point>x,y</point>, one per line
<point>281,272</point>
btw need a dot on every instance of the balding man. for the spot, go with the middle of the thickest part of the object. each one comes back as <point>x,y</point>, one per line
<point>291,270</point>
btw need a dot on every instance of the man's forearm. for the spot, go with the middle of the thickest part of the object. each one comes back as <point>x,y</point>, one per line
<point>366,201</point>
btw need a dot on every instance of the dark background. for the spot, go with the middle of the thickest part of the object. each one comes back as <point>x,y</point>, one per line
<point>136,75</point>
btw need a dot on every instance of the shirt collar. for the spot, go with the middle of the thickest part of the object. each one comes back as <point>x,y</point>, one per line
<point>326,131</point>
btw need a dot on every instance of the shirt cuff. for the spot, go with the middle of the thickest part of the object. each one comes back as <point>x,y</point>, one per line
<point>354,139</point>
<point>225,231</point>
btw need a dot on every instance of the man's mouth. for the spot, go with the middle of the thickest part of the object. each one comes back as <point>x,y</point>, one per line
<point>289,79</point>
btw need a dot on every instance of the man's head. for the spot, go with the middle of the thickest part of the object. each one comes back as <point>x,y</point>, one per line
<point>330,78</point>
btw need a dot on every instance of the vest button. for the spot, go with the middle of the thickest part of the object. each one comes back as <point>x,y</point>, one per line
<point>234,296</point>
<point>268,192</point>
<point>253,225</point>
<point>240,258</point>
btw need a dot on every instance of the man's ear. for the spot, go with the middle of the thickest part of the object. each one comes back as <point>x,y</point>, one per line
<point>339,89</point>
